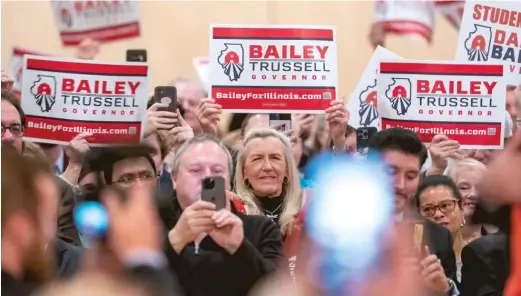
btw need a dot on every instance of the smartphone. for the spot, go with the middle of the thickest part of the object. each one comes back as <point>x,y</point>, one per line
<point>349,241</point>
<point>137,55</point>
<point>282,121</point>
<point>213,190</point>
<point>363,136</point>
<point>166,95</point>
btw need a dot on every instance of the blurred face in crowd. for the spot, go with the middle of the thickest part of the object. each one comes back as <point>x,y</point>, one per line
<point>48,206</point>
<point>512,106</point>
<point>130,171</point>
<point>189,93</point>
<point>405,170</point>
<point>439,204</point>
<point>12,129</point>
<point>89,182</point>
<point>296,144</point>
<point>153,142</point>
<point>257,121</point>
<point>466,178</point>
<point>265,166</point>
<point>198,161</point>
<point>483,156</point>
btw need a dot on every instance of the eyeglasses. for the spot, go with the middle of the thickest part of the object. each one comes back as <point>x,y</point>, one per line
<point>129,179</point>
<point>17,130</point>
<point>445,207</point>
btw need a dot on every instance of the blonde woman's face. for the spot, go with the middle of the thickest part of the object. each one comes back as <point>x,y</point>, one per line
<point>265,166</point>
<point>467,178</point>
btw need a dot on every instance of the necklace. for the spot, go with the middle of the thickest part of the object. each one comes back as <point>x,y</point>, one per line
<point>271,214</point>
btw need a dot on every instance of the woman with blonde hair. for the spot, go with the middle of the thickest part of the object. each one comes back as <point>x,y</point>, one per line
<point>267,180</point>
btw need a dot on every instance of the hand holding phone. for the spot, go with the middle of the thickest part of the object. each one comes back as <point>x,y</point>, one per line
<point>363,136</point>
<point>166,95</point>
<point>281,121</point>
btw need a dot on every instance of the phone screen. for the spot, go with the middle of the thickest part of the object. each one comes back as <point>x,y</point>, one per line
<point>213,190</point>
<point>281,121</point>
<point>166,95</point>
<point>137,55</point>
<point>351,210</point>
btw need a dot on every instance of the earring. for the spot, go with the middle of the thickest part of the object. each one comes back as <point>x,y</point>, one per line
<point>463,222</point>
<point>247,184</point>
<point>285,181</point>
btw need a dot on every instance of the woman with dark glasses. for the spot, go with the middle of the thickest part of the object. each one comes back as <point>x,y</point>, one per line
<point>439,200</point>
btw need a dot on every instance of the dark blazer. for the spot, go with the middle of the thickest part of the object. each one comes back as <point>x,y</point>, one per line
<point>15,287</point>
<point>485,266</point>
<point>66,229</point>
<point>68,258</point>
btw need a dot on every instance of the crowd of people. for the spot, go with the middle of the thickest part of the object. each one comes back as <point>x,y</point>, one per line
<point>163,239</point>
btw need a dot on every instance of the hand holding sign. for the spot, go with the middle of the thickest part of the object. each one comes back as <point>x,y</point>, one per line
<point>305,122</point>
<point>441,148</point>
<point>159,120</point>
<point>208,113</point>
<point>337,117</point>
<point>181,134</point>
<point>78,148</point>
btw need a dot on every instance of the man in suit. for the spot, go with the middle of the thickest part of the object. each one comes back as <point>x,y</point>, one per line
<point>13,124</point>
<point>405,154</point>
<point>485,266</point>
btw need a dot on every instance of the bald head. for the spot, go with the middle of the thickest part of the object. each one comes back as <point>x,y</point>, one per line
<point>189,93</point>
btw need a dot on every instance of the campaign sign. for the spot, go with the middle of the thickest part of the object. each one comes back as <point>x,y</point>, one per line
<point>406,17</point>
<point>202,67</point>
<point>491,33</point>
<point>63,98</point>
<point>363,103</point>
<point>466,102</point>
<point>98,20</point>
<point>17,65</point>
<point>282,69</point>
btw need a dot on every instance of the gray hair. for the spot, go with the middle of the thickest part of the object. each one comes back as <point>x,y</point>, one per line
<point>183,79</point>
<point>200,138</point>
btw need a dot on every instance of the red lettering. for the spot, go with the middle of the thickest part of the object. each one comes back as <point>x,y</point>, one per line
<point>133,87</point>
<point>322,50</point>
<point>422,86</point>
<point>100,87</point>
<point>454,87</point>
<point>83,86</point>
<point>288,52</point>
<point>271,52</point>
<point>477,12</point>
<point>499,37</point>
<point>513,40</point>
<point>255,51</point>
<point>67,85</point>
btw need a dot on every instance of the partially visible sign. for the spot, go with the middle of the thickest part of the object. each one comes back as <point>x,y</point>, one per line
<point>202,67</point>
<point>65,97</point>
<point>406,17</point>
<point>98,20</point>
<point>17,65</point>
<point>363,103</point>
<point>281,69</point>
<point>466,102</point>
<point>491,33</point>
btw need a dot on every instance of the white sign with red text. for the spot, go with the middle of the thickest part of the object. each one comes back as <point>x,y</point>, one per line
<point>282,69</point>
<point>65,97</point>
<point>98,20</point>
<point>464,101</point>
<point>17,65</point>
<point>202,67</point>
<point>363,103</point>
<point>491,33</point>
<point>406,17</point>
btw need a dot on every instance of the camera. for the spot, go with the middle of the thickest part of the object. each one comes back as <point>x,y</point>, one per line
<point>208,183</point>
<point>363,134</point>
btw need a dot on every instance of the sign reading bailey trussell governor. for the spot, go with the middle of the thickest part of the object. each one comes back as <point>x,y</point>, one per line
<point>466,101</point>
<point>63,98</point>
<point>279,69</point>
<point>491,33</point>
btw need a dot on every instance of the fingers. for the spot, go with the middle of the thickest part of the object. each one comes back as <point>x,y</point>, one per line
<point>202,205</point>
<point>432,268</point>
<point>223,218</point>
<point>112,202</point>
<point>181,119</point>
<point>164,120</point>
<point>179,129</point>
<point>83,136</point>
<point>156,106</point>
<point>439,138</point>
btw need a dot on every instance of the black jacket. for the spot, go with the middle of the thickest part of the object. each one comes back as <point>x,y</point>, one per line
<point>15,287</point>
<point>485,266</point>
<point>440,242</point>
<point>213,271</point>
<point>68,259</point>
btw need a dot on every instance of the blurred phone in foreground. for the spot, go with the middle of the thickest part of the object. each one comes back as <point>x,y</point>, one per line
<point>213,190</point>
<point>283,121</point>
<point>348,220</point>
<point>137,55</point>
<point>363,136</point>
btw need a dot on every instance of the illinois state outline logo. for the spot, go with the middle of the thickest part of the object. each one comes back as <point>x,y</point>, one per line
<point>478,43</point>
<point>368,105</point>
<point>231,60</point>
<point>44,92</point>
<point>399,94</point>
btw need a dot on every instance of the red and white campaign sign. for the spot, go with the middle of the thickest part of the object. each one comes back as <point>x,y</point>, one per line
<point>406,17</point>
<point>283,69</point>
<point>491,33</point>
<point>464,101</point>
<point>98,20</point>
<point>363,103</point>
<point>63,98</point>
<point>17,65</point>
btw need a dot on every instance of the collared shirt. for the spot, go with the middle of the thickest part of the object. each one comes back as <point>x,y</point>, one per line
<point>59,165</point>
